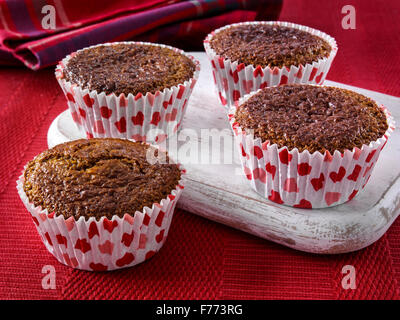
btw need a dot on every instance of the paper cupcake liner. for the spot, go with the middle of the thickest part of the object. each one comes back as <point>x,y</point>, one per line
<point>304,179</point>
<point>234,80</point>
<point>144,117</point>
<point>104,245</point>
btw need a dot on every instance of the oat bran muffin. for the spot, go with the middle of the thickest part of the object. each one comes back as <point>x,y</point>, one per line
<point>269,45</point>
<point>248,56</point>
<point>98,177</point>
<point>309,146</point>
<point>130,90</point>
<point>128,68</point>
<point>312,118</point>
<point>99,204</point>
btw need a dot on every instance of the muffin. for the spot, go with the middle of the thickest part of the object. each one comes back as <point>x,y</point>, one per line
<point>130,90</point>
<point>309,146</point>
<point>252,55</point>
<point>101,204</point>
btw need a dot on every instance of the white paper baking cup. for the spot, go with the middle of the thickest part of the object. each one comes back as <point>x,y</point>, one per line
<point>105,245</point>
<point>150,117</point>
<point>304,179</point>
<point>234,80</point>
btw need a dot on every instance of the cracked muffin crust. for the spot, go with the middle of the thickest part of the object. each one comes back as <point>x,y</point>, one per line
<point>128,68</point>
<point>269,45</point>
<point>98,177</point>
<point>313,118</point>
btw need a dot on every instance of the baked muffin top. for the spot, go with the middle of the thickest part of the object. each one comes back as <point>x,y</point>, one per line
<point>128,68</point>
<point>312,118</point>
<point>98,177</point>
<point>269,45</point>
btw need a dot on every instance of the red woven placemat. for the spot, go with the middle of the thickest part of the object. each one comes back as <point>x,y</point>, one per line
<point>201,259</point>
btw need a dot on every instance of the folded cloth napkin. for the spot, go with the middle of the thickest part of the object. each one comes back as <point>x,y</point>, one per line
<point>39,34</point>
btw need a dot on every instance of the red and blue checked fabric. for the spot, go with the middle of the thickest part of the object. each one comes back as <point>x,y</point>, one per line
<point>80,24</point>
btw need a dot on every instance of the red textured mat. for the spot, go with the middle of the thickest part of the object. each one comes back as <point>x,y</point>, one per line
<point>201,259</point>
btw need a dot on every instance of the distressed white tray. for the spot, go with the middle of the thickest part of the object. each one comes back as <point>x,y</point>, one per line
<point>221,193</point>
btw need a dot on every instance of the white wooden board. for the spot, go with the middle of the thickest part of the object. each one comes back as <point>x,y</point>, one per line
<point>221,193</point>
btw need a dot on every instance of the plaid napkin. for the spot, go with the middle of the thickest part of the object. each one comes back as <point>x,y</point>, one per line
<point>27,33</point>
